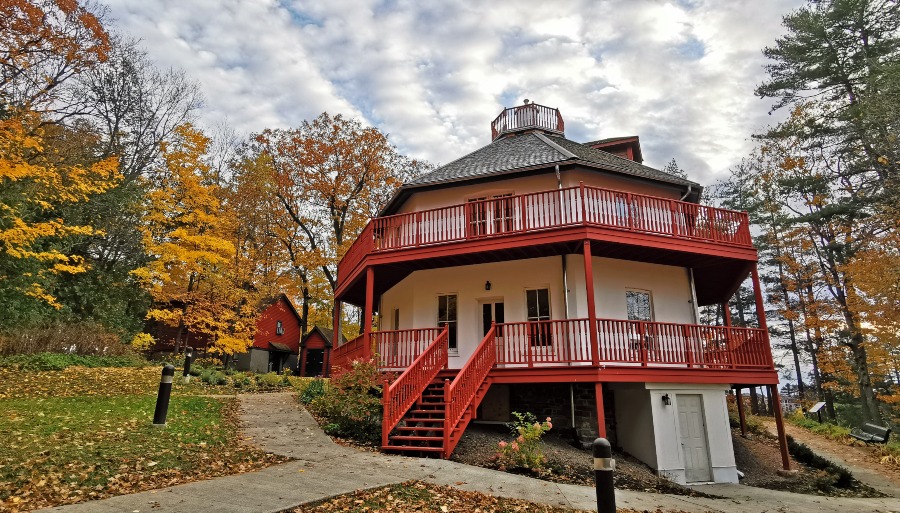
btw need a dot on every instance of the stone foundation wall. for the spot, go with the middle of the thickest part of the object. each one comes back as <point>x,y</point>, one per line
<point>554,400</point>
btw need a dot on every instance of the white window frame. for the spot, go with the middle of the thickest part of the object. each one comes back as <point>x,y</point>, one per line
<point>545,339</point>
<point>437,304</point>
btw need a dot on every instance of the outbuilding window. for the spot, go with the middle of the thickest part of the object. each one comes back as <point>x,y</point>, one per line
<point>279,328</point>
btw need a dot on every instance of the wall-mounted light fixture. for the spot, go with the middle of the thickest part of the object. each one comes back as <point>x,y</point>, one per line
<point>487,285</point>
<point>666,400</point>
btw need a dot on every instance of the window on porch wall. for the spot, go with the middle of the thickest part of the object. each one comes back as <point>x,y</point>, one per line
<point>538,309</point>
<point>447,317</point>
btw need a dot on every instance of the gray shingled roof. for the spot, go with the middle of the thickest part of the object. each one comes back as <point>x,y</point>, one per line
<point>502,155</point>
<point>614,163</point>
<point>531,150</point>
<point>528,151</point>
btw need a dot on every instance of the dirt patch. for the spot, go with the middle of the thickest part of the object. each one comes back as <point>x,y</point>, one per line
<point>759,458</point>
<point>566,463</point>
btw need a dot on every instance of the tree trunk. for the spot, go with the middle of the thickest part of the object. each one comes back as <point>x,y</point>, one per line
<point>181,321</point>
<point>754,401</point>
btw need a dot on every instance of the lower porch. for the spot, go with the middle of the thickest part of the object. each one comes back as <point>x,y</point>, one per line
<point>670,380</point>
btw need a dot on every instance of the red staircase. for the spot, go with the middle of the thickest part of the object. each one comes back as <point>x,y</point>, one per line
<point>422,428</point>
<point>430,418</point>
<point>467,390</point>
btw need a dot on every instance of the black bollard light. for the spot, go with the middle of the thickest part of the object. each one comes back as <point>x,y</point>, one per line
<point>604,464</point>
<point>188,358</point>
<point>162,397</point>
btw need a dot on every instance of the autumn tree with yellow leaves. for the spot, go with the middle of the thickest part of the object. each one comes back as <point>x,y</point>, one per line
<point>37,186</point>
<point>194,273</point>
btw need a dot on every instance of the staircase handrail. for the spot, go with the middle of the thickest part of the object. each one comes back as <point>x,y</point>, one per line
<point>399,396</point>
<point>459,394</point>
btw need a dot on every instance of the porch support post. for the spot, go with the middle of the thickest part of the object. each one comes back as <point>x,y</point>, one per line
<point>336,324</point>
<point>760,306</point>
<point>726,313</point>
<point>601,415</point>
<point>740,408</point>
<point>592,311</point>
<point>367,313</point>
<point>779,423</point>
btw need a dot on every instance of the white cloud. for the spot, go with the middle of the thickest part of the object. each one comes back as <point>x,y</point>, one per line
<point>433,75</point>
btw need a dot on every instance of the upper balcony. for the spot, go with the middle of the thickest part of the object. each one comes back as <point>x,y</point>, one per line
<point>528,220</point>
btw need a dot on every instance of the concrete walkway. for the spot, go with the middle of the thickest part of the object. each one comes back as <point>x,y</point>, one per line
<point>324,469</point>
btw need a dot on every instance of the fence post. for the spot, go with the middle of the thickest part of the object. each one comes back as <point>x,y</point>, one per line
<point>604,465</point>
<point>162,396</point>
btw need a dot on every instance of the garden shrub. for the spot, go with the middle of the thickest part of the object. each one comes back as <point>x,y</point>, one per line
<point>526,450</point>
<point>270,380</point>
<point>213,377</point>
<point>313,390</point>
<point>59,361</point>
<point>352,403</point>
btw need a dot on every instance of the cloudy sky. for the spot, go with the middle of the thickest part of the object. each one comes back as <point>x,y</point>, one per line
<point>433,75</point>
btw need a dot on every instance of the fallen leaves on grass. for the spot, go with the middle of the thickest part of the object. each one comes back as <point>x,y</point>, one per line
<point>78,381</point>
<point>417,496</point>
<point>64,450</point>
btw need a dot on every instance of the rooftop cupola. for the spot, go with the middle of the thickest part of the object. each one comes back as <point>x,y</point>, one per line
<point>527,118</point>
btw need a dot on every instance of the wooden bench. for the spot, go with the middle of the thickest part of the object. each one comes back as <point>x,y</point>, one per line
<point>871,433</point>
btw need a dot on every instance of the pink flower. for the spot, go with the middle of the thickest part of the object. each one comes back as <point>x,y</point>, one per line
<point>548,419</point>
<point>502,444</point>
<point>515,446</point>
<point>549,425</point>
<point>521,439</point>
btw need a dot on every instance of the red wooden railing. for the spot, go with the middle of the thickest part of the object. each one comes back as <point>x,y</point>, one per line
<point>398,348</point>
<point>545,210</point>
<point>544,343</point>
<point>530,115</point>
<point>399,396</point>
<point>459,394</point>
<point>344,354</point>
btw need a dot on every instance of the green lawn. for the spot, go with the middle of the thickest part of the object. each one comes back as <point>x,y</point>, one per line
<point>58,450</point>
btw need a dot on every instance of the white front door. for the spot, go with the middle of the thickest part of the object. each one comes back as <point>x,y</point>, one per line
<point>694,442</point>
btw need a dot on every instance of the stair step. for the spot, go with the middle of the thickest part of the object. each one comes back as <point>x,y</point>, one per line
<point>430,421</point>
<point>413,438</point>
<point>419,428</point>
<point>411,448</point>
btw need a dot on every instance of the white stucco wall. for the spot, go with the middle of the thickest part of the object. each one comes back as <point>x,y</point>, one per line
<point>416,296</point>
<point>426,200</point>
<point>649,430</point>
<point>669,286</point>
<point>634,422</point>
